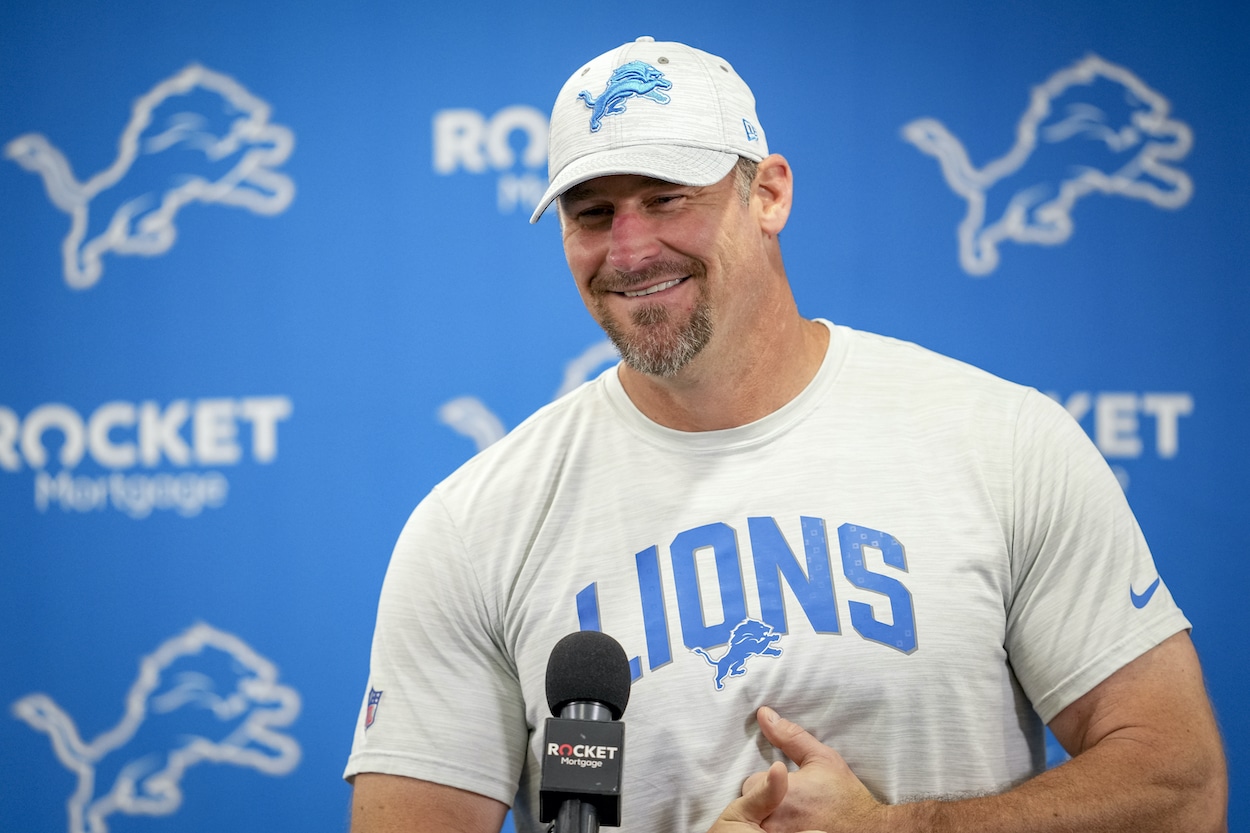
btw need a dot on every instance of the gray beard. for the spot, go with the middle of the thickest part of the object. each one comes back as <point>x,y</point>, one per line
<point>659,348</point>
<point>658,345</point>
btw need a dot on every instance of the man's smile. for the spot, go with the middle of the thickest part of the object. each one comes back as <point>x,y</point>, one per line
<point>651,290</point>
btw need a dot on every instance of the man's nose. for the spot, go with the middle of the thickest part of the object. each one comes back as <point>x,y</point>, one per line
<point>633,242</point>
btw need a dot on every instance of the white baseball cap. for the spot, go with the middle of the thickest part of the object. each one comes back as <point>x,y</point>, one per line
<point>659,109</point>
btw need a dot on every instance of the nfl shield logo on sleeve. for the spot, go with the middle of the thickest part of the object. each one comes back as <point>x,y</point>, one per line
<point>372,711</point>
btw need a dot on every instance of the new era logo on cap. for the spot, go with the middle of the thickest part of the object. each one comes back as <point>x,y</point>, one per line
<point>666,110</point>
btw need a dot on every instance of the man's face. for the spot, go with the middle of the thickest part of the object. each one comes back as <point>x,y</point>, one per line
<point>652,261</point>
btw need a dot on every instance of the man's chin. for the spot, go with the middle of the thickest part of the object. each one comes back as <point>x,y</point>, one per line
<point>660,359</point>
<point>655,345</point>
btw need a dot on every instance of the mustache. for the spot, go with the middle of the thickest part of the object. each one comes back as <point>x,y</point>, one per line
<point>614,280</point>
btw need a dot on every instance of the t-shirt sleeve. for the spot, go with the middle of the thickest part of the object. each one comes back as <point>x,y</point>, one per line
<point>1087,598</point>
<point>442,701</point>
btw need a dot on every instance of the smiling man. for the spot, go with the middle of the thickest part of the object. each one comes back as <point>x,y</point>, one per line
<point>691,292</point>
<point>818,546</point>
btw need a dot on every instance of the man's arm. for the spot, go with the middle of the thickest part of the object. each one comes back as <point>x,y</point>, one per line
<point>395,804</point>
<point>1146,752</point>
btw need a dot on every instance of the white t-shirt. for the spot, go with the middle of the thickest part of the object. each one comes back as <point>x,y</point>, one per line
<point>927,562</point>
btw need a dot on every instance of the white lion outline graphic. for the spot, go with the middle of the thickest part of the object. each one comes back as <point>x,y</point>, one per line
<point>1037,204</point>
<point>233,165</point>
<point>469,416</point>
<point>172,679</point>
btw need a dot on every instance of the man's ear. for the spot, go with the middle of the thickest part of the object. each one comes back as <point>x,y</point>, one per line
<point>774,189</point>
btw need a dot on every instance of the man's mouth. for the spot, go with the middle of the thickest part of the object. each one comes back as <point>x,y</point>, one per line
<point>651,290</point>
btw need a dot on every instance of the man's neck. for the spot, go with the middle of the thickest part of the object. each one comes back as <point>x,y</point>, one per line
<point>733,384</point>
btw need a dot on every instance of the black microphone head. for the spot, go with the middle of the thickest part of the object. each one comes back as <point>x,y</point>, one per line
<point>588,666</point>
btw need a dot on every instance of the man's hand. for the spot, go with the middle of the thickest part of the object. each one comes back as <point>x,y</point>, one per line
<point>746,814</point>
<point>1147,758</point>
<point>823,793</point>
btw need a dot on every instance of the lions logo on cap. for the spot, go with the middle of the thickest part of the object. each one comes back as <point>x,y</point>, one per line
<point>628,80</point>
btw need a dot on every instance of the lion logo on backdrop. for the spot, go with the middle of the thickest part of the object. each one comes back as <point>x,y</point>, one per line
<point>1091,128</point>
<point>196,137</point>
<point>470,417</point>
<point>203,696</point>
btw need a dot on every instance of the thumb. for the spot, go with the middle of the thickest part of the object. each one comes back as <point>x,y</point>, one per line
<point>758,801</point>
<point>792,739</point>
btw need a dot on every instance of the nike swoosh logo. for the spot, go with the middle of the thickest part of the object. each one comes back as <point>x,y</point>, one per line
<point>1140,600</point>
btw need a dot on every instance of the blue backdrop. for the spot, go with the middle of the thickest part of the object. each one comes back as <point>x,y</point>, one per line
<point>266,276</point>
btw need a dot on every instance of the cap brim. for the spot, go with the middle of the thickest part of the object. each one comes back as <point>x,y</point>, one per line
<point>671,163</point>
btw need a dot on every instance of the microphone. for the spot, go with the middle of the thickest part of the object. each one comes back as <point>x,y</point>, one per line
<point>588,680</point>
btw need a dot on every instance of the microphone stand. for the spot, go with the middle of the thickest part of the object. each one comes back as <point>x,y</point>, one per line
<point>575,815</point>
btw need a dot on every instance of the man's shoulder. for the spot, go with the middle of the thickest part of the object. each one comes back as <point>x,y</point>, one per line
<point>899,359</point>
<point>902,380</point>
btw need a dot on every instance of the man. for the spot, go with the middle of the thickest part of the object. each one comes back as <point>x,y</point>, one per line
<point>918,562</point>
